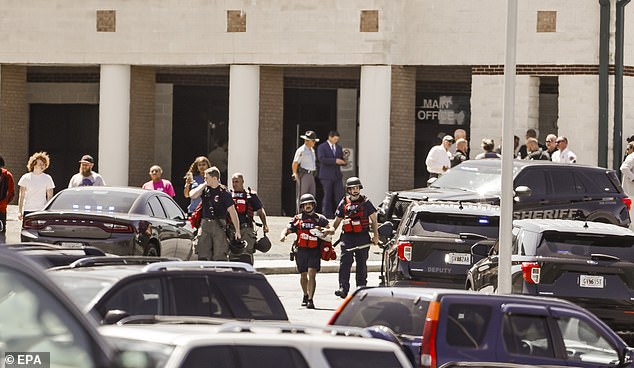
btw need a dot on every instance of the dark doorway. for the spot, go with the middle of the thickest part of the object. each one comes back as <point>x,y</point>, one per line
<point>200,118</point>
<point>66,132</point>
<point>304,109</point>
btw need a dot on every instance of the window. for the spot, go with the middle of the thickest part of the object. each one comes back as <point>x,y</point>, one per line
<point>467,324</point>
<point>527,335</point>
<point>346,358</point>
<point>585,344</point>
<point>243,356</point>
<point>191,297</point>
<point>136,297</point>
<point>101,200</point>
<point>35,321</point>
<point>249,296</point>
<point>534,179</point>
<point>172,209</point>
<point>451,225</point>
<point>156,208</point>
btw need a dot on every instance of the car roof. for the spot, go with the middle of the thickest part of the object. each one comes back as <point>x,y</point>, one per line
<point>434,294</point>
<point>572,226</point>
<point>463,208</point>
<point>517,163</point>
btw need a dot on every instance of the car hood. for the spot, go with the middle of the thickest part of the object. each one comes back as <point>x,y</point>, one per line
<point>444,194</point>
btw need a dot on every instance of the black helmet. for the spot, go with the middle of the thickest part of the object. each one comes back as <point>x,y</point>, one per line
<point>263,244</point>
<point>353,181</point>
<point>307,198</point>
<point>237,246</point>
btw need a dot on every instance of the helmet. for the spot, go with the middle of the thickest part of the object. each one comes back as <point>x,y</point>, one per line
<point>237,246</point>
<point>307,198</point>
<point>263,244</point>
<point>353,181</point>
<point>328,252</point>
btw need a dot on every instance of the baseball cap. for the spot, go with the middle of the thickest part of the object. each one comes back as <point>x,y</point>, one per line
<point>87,159</point>
<point>448,138</point>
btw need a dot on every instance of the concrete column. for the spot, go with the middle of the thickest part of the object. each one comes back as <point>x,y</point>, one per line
<point>244,114</point>
<point>114,123</point>
<point>486,111</point>
<point>578,106</point>
<point>374,130</point>
<point>526,105</point>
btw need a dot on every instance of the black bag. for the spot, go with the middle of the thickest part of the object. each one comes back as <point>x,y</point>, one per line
<point>4,184</point>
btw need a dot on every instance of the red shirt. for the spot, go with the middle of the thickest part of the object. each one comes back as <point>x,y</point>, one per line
<point>6,175</point>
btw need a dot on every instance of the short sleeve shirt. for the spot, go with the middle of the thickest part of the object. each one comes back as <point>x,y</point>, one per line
<point>35,190</point>
<point>216,202</point>
<point>162,185</point>
<point>306,158</point>
<point>78,180</point>
<point>198,179</point>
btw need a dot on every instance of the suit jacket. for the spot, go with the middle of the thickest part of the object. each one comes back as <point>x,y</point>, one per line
<point>328,168</point>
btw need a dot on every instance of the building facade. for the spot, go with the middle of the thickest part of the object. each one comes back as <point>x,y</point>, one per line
<point>136,83</point>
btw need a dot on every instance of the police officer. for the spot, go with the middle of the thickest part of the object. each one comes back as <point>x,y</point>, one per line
<point>217,202</point>
<point>308,258</point>
<point>357,213</point>
<point>247,203</point>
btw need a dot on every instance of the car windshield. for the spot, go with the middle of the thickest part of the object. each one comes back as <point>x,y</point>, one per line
<point>479,179</point>
<point>451,225</point>
<point>160,353</point>
<point>81,290</point>
<point>101,200</point>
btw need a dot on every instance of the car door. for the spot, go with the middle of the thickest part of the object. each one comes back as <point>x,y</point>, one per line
<point>541,201</point>
<point>166,232</point>
<point>191,295</point>
<point>484,272</point>
<point>176,218</point>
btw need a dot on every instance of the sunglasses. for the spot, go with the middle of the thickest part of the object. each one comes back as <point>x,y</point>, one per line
<point>558,142</point>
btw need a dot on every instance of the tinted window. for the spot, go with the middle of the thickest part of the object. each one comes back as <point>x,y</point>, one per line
<point>82,291</point>
<point>221,356</point>
<point>34,320</point>
<point>137,297</point>
<point>467,324</point>
<point>564,183</point>
<point>527,335</point>
<point>584,245</point>
<point>249,296</point>
<point>402,315</point>
<point>172,209</point>
<point>345,358</point>
<point>598,181</point>
<point>244,357</point>
<point>584,343</point>
<point>450,225</point>
<point>191,297</point>
<point>156,208</point>
<point>102,200</point>
<point>534,179</point>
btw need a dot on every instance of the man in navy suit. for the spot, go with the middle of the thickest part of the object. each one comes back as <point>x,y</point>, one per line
<point>330,156</point>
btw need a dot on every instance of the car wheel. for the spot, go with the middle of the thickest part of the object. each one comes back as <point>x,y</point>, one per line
<point>152,251</point>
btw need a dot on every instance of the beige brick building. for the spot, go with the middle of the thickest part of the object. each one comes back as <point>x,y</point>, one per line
<point>136,83</point>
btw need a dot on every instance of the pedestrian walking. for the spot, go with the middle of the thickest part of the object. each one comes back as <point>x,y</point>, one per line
<point>330,156</point>
<point>305,165</point>
<point>357,214</point>
<point>563,155</point>
<point>627,172</point>
<point>193,178</point>
<point>85,176</point>
<point>7,192</point>
<point>211,240</point>
<point>157,183</point>
<point>247,203</point>
<point>439,158</point>
<point>308,254</point>
<point>36,187</point>
<point>462,147</point>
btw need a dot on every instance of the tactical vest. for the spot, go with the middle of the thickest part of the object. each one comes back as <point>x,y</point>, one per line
<point>242,203</point>
<point>354,218</point>
<point>304,238</point>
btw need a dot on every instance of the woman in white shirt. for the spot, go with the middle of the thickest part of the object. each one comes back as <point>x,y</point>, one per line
<point>36,187</point>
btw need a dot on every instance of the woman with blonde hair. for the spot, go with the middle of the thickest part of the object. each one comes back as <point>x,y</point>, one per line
<point>36,187</point>
<point>193,178</point>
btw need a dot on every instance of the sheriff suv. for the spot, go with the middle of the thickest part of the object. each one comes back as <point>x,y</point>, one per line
<point>432,245</point>
<point>544,190</point>
<point>590,264</point>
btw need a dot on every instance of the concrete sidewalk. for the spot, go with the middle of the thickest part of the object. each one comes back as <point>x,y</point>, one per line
<point>275,261</point>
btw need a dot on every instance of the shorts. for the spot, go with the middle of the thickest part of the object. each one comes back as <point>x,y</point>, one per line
<point>308,258</point>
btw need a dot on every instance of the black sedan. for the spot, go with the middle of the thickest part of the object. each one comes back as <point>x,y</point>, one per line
<point>117,220</point>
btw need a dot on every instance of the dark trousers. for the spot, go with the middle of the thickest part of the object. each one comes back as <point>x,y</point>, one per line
<point>345,264</point>
<point>333,192</point>
<point>3,231</point>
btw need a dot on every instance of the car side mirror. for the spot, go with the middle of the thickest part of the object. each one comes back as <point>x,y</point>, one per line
<point>113,316</point>
<point>479,249</point>
<point>523,191</point>
<point>386,229</point>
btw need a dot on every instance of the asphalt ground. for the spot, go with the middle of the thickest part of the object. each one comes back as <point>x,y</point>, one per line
<point>275,261</point>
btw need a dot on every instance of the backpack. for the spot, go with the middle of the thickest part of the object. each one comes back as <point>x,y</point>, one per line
<point>197,216</point>
<point>4,185</point>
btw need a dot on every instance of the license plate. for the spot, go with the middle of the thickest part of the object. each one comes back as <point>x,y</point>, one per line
<point>591,281</point>
<point>458,258</point>
<point>71,245</point>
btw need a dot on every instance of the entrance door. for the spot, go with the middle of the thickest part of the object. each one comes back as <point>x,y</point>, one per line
<point>304,109</point>
<point>66,132</point>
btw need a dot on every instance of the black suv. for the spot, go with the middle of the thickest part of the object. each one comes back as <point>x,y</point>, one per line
<point>111,288</point>
<point>588,263</point>
<point>544,190</point>
<point>432,246</point>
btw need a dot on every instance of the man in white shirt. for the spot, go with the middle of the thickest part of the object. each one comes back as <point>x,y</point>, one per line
<point>563,155</point>
<point>438,159</point>
<point>305,166</point>
<point>627,171</point>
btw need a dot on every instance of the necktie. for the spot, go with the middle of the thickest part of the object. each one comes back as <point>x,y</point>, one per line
<point>334,150</point>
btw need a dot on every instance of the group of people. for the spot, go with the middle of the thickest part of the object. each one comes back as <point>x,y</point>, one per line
<point>445,155</point>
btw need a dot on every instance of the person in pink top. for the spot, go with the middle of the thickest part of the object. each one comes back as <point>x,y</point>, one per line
<point>159,184</point>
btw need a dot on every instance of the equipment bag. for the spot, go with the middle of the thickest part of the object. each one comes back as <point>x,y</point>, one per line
<point>197,216</point>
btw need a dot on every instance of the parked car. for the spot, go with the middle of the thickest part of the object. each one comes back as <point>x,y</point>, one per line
<point>590,264</point>
<point>37,318</point>
<point>117,220</point>
<point>258,344</point>
<point>111,288</point>
<point>543,189</point>
<point>443,326</point>
<point>432,245</point>
<point>48,255</point>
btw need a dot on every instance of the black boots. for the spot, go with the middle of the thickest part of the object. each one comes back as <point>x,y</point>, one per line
<point>341,293</point>
<point>310,304</point>
<point>305,301</point>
